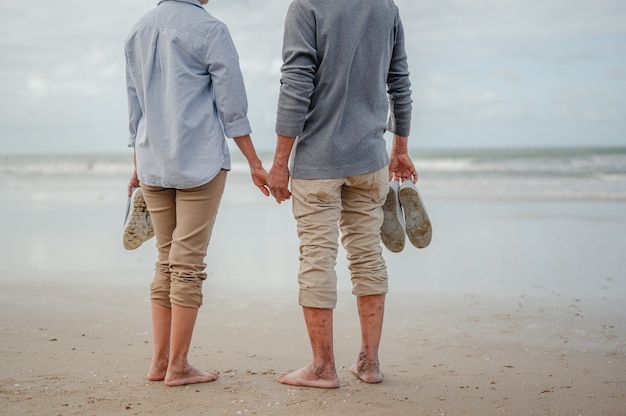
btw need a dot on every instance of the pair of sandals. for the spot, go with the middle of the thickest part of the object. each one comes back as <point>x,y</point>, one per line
<point>137,223</point>
<point>405,216</point>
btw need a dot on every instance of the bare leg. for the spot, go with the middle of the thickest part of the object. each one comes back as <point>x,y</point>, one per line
<point>179,372</point>
<point>321,372</point>
<point>371,312</point>
<point>161,324</point>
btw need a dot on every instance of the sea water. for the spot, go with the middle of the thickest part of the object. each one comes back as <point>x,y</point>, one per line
<point>597,173</point>
<point>542,222</point>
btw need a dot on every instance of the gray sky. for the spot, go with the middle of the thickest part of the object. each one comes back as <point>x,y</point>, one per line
<point>495,73</point>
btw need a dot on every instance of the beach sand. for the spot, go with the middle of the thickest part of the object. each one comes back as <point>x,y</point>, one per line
<point>84,349</point>
<point>515,308</point>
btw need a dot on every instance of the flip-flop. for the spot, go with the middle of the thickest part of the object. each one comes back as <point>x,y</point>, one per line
<point>137,224</point>
<point>418,226</point>
<point>392,232</point>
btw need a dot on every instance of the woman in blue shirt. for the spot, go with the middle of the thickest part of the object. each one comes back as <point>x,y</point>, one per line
<point>185,94</point>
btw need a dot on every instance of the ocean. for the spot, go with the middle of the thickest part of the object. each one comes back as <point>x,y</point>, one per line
<point>592,173</point>
<point>506,222</point>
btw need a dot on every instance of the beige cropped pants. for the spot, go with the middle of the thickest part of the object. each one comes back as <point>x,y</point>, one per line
<point>323,207</point>
<point>183,222</point>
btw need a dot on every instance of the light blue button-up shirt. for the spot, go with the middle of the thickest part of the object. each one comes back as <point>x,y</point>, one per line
<point>185,94</point>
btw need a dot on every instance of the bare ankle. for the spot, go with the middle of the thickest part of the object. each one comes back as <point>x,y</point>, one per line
<point>367,369</point>
<point>158,369</point>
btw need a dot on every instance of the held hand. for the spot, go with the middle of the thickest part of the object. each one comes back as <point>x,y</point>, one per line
<point>259,177</point>
<point>278,182</point>
<point>401,168</point>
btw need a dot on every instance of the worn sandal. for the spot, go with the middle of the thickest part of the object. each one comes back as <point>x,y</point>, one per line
<point>418,227</point>
<point>137,224</point>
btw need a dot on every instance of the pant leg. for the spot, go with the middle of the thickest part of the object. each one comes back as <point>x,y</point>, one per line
<point>361,221</point>
<point>194,211</point>
<point>316,208</point>
<point>161,203</point>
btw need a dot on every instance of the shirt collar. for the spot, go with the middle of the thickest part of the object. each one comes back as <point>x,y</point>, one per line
<point>194,2</point>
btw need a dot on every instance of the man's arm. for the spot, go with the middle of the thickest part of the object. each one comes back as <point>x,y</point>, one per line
<point>399,86</point>
<point>297,73</point>
<point>400,163</point>
<point>278,178</point>
<point>400,104</point>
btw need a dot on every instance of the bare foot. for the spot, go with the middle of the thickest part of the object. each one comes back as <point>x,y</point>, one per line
<point>309,376</point>
<point>158,369</point>
<point>188,375</point>
<point>367,372</point>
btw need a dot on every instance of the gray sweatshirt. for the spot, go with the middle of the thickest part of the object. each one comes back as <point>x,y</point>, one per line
<point>345,80</point>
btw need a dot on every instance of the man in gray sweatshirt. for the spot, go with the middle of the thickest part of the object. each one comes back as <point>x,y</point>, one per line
<point>345,81</point>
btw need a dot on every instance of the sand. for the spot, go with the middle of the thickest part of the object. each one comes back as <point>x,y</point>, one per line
<point>81,348</point>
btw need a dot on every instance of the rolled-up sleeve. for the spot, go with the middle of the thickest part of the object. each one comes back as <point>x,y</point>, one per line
<point>228,85</point>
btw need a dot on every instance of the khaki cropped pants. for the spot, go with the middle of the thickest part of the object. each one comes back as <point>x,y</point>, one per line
<point>323,207</point>
<point>183,222</point>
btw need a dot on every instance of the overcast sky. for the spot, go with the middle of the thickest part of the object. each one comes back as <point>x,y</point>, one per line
<point>494,73</point>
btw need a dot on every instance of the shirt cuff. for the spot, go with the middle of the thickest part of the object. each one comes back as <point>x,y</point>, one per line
<point>237,128</point>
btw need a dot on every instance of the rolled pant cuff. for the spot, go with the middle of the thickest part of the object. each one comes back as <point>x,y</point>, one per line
<point>318,299</point>
<point>187,294</point>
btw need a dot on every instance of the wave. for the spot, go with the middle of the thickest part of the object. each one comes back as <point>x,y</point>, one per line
<point>563,162</point>
<point>574,172</point>
<point>46,165</point>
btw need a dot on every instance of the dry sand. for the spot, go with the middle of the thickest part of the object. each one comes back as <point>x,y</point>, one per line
<point>78,347</point>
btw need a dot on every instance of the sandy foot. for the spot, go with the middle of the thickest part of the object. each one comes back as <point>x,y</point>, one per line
<point>368,372</point>
<point>310,376</point>
<point>189,375</point>
<point>158,370</point>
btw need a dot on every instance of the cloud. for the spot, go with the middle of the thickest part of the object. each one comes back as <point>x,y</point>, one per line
<point>511,20</point>
<point>590,105</point>
<point>502,69</point>
<point>510,75</point>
